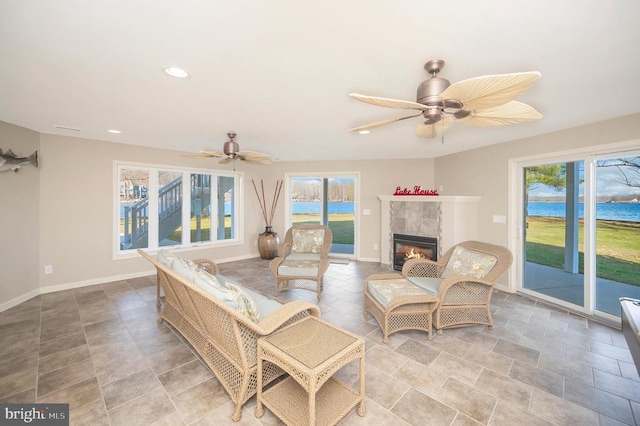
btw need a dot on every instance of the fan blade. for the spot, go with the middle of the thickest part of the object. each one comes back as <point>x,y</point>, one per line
<point>381,123</point>
<point>253,154</point>
<point>389,103</point>
<point>196,156</point>
<point>432,130</point>
<point>257,160</point>
<point>490,90</point>
<point>510,113</point>
<point>225,160</point>
<point>204,154</point>
<point>211,153</point>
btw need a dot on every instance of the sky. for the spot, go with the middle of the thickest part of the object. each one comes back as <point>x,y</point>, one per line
<point>609,181</point>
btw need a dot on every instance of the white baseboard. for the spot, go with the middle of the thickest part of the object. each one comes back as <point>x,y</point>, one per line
<point>102,280</point>
<point>18,300</point>
<point>94,281</point>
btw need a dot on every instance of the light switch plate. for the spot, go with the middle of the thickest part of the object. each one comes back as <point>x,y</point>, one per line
<point>498,218</point>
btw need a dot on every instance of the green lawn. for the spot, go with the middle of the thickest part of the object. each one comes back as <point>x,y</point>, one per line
<point>205,224</point>
<point>617,247</point>
<point>618,243</point>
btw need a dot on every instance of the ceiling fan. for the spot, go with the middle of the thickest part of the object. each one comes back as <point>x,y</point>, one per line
<point>480,101</point>
<point>231,152</point>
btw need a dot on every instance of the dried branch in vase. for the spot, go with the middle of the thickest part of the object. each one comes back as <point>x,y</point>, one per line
<point>262,199</point>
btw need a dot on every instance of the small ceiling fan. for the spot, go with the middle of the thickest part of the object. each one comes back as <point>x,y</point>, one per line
<point>480,101</point>
<point>231,152</point>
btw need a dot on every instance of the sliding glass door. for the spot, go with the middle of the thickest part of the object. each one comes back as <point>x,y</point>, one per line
<point>581,231</point>
<point>617,231</point>
<point>553,231</point>
<point>328,200</point>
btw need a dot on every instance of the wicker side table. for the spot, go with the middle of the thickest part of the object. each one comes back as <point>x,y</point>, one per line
<point>311,351</point>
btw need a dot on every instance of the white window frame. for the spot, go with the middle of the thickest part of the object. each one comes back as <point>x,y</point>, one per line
<point>152,195</point>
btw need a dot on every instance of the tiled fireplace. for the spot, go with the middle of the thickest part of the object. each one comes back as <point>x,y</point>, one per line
<point>447,220</point>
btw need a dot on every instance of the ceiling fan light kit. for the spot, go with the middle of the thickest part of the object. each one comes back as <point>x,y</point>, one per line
<point>480,101</point>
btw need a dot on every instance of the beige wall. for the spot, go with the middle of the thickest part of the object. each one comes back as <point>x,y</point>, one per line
<point>76,205</point>
<point>484,171</point>
<point>76,226</point>
<point>62,213</point>
<point>19,213</point>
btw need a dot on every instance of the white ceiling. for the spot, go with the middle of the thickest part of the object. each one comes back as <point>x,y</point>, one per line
<point>278,72</point>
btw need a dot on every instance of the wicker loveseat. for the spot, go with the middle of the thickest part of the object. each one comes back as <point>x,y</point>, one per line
<point>225,338</point>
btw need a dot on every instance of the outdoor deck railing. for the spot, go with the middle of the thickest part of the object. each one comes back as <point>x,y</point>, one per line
<point>136,217</point>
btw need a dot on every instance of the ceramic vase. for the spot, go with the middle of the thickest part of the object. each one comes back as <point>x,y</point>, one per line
<point>268,244</point>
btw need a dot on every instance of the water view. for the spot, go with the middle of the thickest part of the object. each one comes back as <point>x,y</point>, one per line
<point>313,207</point>
<point>627,212</point>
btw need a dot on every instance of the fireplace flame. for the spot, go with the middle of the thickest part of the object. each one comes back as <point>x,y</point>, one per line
<point>414,255</point>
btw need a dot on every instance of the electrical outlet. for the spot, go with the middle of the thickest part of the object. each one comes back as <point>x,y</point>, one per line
<point>48,269</point>
<point>375,247</point>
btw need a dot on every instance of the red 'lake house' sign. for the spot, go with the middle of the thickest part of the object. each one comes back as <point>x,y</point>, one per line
<point>417,190</point>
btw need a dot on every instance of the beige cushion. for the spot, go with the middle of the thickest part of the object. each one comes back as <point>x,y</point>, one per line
<point>302,268</point>
<point>469,263</point>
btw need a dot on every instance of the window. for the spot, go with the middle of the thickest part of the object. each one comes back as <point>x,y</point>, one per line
<point>156,209</point>
<point>330,200</point>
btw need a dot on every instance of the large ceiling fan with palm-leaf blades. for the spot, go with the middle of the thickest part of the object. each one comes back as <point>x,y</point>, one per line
<point>484,101</point>
<point>231,152</point>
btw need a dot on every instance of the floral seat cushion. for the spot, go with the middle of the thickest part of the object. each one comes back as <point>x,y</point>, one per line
<point>469,263</point>
<point>384,291</point>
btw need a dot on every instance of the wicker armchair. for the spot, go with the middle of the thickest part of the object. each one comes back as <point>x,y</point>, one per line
<point>303,258</point>
<point>462,299</point>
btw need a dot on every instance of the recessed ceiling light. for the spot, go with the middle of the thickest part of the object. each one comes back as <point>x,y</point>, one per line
<point>364,132</point>
<point>114,131</point>
<point>176,72</point>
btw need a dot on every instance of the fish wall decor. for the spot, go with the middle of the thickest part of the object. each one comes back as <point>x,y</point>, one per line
<point>10,161</point>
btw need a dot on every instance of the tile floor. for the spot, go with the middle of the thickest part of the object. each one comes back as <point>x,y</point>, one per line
<point>99,349</point>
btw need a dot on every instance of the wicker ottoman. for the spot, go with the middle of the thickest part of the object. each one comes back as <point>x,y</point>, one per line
<point>397,304</point>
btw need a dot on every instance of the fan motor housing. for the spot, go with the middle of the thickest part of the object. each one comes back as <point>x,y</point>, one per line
<point>231,148</point>
<point>429,91</point>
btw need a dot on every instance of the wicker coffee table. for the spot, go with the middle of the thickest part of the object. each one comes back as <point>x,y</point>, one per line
<point>311,351</point>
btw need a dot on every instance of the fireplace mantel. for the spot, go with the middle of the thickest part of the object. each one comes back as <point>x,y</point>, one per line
<point>455,218</point>
<point>429,198</point>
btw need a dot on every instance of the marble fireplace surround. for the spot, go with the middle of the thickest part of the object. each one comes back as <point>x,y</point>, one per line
<point>450,219</point>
